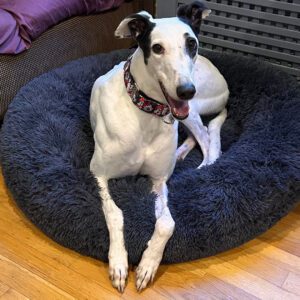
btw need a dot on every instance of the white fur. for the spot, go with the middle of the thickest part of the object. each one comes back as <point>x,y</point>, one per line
<point>129,141</point>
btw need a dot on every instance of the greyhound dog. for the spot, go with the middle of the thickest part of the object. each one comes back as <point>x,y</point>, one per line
<point>134,113</point>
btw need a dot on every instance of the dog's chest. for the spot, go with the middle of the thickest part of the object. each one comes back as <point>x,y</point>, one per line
<point>148,150</point>
<point>128,141</point>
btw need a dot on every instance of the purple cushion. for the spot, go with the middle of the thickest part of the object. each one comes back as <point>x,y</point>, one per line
<point>21,21</point>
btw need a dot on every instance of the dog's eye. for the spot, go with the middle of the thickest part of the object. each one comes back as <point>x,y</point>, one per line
<point>192,44</point>
<point>158,49</point>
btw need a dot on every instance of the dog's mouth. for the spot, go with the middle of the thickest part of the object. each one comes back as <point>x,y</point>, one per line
<point>179,108</point>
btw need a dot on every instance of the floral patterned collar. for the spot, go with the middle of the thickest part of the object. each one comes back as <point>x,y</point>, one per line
<point>141,100</point>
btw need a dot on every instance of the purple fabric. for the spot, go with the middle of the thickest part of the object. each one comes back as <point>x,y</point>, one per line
<point>21,21</point>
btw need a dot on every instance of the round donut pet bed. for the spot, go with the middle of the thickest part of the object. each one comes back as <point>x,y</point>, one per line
<point>47,143</point>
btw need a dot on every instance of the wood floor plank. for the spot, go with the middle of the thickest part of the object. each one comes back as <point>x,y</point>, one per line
<point>266,269</point>
<point>48,268</point>
<point>273,255</point>
<point>292,283</point>
<point>244,280</point>
<point>29,233</point>
<point>11,294</point>
<point>222,289</point>
<point>3,288</point>
<point>286,234</point>
<point>27,283</point>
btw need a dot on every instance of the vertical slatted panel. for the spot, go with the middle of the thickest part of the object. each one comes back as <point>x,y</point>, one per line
<point>269,29</point>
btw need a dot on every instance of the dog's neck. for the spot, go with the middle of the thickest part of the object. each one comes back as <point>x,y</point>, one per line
<point>145,81</point>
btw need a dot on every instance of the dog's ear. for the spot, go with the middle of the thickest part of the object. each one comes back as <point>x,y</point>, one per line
<point>135,25</point>
<point>194,13</point>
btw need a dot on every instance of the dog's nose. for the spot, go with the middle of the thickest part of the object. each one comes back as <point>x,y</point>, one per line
<point>186,91</point>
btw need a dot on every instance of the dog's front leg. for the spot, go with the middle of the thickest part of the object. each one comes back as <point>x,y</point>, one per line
<point>200,133</point>
<point>164,228</point>
<point>118,263</point>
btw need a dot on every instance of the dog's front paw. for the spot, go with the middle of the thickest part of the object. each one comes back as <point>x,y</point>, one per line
<point>211,159</point>
<point>146,271</point>
<point>204,163</point>
<point>118,271</point>
<point>214,155</point>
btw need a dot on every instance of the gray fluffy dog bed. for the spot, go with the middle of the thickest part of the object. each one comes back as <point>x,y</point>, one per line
<point>47,144</point>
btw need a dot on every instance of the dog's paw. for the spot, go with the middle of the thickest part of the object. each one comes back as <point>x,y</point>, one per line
<point>213,156</point>
<point>204,163</point>
<point>145,272</point>
<point>211,159</point>
<point>118,272</point>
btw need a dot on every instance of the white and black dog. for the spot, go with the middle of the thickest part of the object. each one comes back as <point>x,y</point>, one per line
<point>134,111</point>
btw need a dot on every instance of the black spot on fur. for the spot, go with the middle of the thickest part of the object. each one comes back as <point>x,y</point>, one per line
<point>191,14</point>
<point>141,28</point>
<point>190,45</point>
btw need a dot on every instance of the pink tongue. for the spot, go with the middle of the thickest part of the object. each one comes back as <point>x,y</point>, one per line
<point>179,109</point>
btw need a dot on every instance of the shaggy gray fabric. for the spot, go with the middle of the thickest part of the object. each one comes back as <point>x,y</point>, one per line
<point>46,147</point>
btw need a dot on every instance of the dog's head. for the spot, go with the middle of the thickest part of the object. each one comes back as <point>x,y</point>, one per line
<point>170,47</point>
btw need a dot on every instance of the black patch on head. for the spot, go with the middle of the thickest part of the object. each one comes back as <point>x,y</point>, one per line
<point>141,28</point>
<point>191,14</point>
<point>190,45</point>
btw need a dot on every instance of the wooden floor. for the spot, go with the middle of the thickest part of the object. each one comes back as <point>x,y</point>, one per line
<point>34,267</point>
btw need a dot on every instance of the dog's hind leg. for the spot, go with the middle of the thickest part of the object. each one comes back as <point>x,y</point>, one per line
<point>164,228</point>
<point>118,263</point>
<point>214,131</point>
